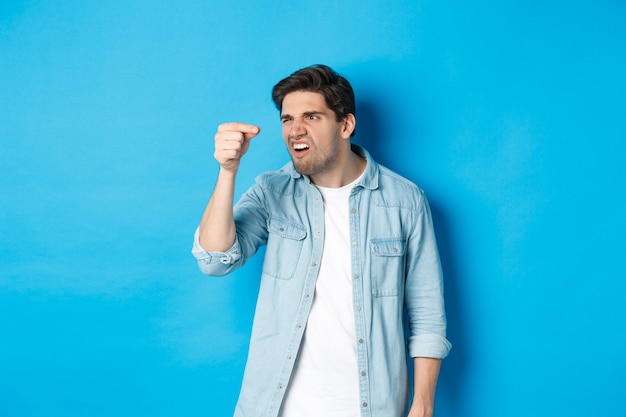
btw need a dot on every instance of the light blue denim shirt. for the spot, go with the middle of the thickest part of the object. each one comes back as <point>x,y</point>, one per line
<point>395,270</point>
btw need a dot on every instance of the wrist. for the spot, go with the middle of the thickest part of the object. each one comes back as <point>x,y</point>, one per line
<point>227,173</point>
<point>420,410</point>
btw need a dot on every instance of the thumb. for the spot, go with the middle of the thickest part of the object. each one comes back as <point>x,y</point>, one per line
<point>250,132</point>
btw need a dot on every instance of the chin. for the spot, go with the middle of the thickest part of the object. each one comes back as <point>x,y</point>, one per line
<point>301,169</point>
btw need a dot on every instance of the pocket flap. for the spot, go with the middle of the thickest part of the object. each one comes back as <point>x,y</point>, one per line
<point>388,247</point>
<point>286,229</point>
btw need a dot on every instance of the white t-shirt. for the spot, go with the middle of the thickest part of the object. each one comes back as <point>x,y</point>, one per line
<point>325,379</point>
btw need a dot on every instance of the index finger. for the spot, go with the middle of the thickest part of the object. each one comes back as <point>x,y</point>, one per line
<point>247,129</point>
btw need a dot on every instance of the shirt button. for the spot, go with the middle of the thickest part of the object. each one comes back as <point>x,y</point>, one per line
<point>364,404</point>
<point>363,373</point>
<point>358,308</point>
<point>354,243</point>
<point>353,210</point>
<point>314,264</point>
<point>360,340</point>
<point>317,232</point>
<point>307,295</point>
<point>356,276</point>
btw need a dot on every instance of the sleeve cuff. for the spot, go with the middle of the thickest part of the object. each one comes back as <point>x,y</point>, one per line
<point>429,346</point>
<point>226,258</point>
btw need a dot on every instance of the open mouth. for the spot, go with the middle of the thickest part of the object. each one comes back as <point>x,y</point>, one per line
<point>300,148</point>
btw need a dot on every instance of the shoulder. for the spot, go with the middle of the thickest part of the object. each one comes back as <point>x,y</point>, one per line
<point>279,181</point>
<point>394,190</point>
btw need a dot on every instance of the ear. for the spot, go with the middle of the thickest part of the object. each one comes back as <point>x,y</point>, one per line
<point>349,124</point>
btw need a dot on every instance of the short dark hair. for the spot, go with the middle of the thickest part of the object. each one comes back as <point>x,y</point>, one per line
<point>322,79</point>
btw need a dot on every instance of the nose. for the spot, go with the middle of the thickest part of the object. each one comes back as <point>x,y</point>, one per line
<point>297,127</point>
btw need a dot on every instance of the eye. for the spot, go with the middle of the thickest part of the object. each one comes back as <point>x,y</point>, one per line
<point>313,117</point>
<point>285,119</point>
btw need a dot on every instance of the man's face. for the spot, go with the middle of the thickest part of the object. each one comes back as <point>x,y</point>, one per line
<point>312,133</point>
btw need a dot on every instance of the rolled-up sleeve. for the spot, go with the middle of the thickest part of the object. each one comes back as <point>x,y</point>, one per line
<point>250,216</point>
<point>424,298</point>
<point>215,263</point>
<point>429,346</point>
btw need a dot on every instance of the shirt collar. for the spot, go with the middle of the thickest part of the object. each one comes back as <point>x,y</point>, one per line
<point>369,180</point>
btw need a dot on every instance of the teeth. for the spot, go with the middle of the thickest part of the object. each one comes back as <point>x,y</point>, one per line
<point>300,146</point>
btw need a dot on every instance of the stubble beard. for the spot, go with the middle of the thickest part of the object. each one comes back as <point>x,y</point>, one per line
<point>313,164</point>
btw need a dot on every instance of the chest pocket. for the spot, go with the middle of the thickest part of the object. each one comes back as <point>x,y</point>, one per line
<point>284,247</point>
<point>387,266</point>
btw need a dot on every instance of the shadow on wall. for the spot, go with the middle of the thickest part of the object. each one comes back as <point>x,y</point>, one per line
<point>370,135</point>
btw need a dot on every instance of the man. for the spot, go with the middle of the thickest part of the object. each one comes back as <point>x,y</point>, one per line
<point>350,251</point>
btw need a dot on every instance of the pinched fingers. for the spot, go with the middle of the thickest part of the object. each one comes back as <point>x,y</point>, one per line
<point>232,141</point>
<point>248,130</point>
<point>228,147</point>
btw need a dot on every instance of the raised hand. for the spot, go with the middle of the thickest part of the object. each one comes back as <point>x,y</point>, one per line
<point>232,141</point>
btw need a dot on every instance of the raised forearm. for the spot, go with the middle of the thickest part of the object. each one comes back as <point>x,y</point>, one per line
<point>217,227</point>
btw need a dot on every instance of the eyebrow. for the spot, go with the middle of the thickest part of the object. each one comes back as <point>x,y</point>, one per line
<point>306,113</point>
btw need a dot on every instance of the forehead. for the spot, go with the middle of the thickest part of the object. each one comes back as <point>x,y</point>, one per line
<point>303,101</point>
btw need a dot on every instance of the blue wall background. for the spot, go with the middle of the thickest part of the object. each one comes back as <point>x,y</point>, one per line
<point>509,114</point>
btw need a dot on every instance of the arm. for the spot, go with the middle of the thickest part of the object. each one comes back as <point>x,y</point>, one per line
<point>423,296</point>
<point>425,306</point>
<point>426,371</point>
<point>217,227</point>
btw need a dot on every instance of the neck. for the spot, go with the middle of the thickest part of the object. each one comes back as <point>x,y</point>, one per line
<point>347,172</point>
